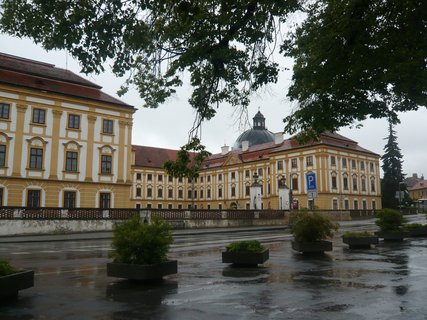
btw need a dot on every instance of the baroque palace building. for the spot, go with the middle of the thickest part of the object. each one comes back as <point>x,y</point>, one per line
<point>348,175</point>
<point>65,143</point>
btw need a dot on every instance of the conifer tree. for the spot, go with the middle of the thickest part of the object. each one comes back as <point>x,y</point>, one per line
<point>392,168</point>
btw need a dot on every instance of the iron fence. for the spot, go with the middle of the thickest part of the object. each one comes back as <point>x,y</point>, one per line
<point>25,213</point>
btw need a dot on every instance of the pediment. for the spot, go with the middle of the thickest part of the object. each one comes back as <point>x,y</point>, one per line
<point>232,159</point>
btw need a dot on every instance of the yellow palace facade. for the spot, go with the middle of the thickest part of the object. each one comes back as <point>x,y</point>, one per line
<point>348,176</point>
<point>65,143</point>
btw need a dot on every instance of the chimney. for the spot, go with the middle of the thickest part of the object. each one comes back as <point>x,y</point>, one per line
<point>245,145</point>
<point>224,149</point>
<point>278,138</point>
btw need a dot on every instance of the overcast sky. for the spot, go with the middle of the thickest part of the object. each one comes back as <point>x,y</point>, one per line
<point>168,126</point>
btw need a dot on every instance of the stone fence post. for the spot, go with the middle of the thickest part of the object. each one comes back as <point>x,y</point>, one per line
<point>145,215</point>
<point>17,213</point>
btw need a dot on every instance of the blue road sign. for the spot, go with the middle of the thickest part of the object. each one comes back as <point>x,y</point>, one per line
<point>311,181</point>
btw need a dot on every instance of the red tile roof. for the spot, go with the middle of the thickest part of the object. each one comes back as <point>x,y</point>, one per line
<point>329,139</point>
<point>422,184</point>
<point>155,157</point>
<point>46,77</point>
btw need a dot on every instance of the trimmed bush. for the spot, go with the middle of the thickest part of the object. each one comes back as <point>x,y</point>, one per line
<point>245,246</point>
<point>310,227</point>
<point>136,242</point>
<point>389,220</point>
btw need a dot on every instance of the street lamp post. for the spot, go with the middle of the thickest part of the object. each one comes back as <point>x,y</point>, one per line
<point>400,195</point>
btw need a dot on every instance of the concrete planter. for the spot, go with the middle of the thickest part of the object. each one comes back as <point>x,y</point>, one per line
<point>12,283</point>
<point>360,242</point>
<point>245,258</point>
<point>312,247</point>
<point>142,272</point>
<point>417,232</point>
<point>392,235</point>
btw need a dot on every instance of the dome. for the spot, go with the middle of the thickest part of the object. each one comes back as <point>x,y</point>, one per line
<point>257,135</point>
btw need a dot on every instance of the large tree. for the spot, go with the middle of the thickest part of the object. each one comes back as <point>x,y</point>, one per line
<point>392,181</point>
<point>353,59</point>
<point>356,59</point>
<point>225,46</point>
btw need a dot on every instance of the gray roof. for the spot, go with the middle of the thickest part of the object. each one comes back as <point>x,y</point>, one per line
<point>254,137</point>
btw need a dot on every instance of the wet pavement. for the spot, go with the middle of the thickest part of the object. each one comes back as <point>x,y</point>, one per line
<point>385,282</point>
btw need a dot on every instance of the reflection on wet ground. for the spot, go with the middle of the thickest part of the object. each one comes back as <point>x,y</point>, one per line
<point>385,282</point>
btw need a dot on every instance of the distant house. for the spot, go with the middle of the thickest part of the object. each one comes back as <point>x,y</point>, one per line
<point>412,181</point>
<point>418,191</point>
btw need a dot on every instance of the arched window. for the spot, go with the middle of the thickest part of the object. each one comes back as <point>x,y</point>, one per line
<point>373,184</point>
<point>71,156</point>
<point>36,150</point>
<point>4,147</point>
<point>106,160</point>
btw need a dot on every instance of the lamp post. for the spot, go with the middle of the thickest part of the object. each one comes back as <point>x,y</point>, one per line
<point>284,194</point>
<point>400,195</point>
<point>255,193</point>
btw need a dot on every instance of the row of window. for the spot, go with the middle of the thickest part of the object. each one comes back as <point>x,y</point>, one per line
<point>34,199</point>
<point>70,201</point>
<point>309,163</point>
<point>345,183</point>
<point>190,194</point>
<point>39,117</point>
<point>353,164</point>
<point>193,194</point>
<point>294,187</point>
<point>346,204</point>
<point>159,177</point>
<point>71,160</point>
<point>334,186</point>
<point>179,206</point>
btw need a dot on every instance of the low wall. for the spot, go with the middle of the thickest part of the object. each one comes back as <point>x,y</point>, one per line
<point>28,227</point>
<point>26,221</point>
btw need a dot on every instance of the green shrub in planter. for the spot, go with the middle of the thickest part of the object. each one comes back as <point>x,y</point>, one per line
<point>6,268</point>
<point>12,280</point>
<point>245,246</point>
<point>136,242</point>
<point>357,234</point>
<point>359,239</point>
<point>413,226</point>
<point>416,229</point>
<point>311,227</point>
<point>245,253</point>
<point>389,220</point>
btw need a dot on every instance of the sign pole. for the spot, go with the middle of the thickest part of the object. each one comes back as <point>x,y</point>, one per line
<point>311,187</point>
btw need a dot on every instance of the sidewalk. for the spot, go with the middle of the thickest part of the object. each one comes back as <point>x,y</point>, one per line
<point>108,234</point>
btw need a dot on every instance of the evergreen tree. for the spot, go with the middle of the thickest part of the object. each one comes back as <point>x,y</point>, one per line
<point>392,168</point>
